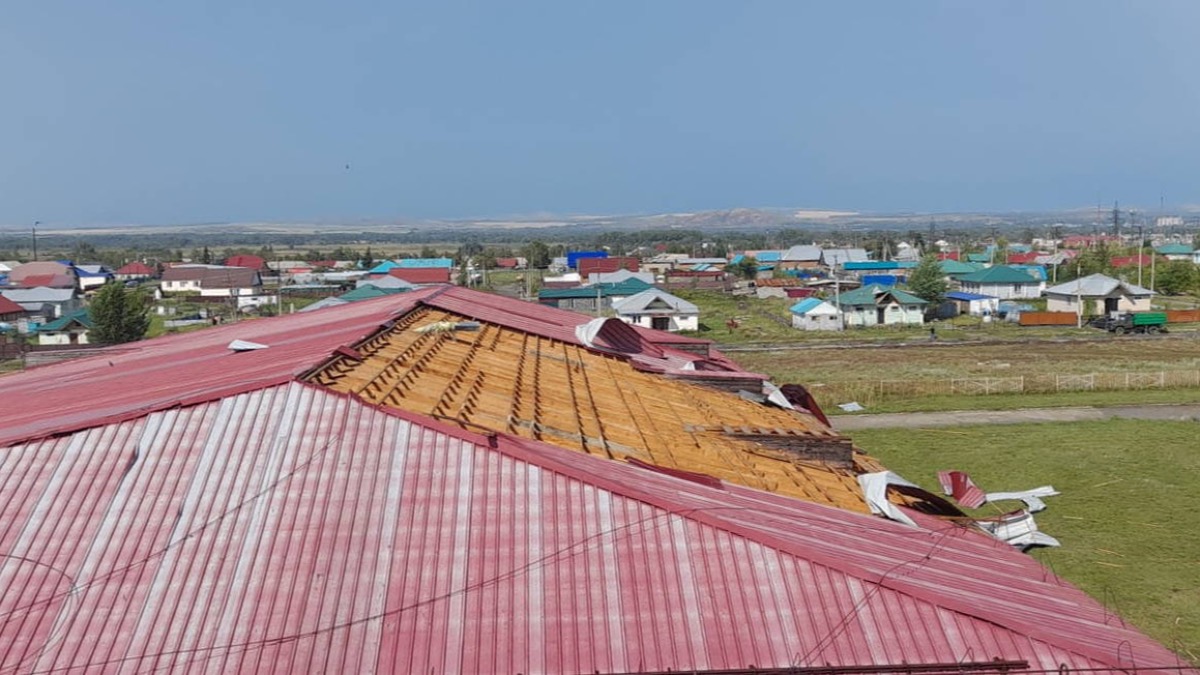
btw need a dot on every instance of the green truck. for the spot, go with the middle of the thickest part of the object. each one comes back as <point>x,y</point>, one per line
<point>1135,322</point>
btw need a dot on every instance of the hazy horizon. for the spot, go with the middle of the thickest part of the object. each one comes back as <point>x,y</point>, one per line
<point>306,111</point>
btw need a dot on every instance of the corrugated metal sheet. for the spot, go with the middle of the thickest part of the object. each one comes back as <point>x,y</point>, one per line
<point>152,374</point>
<point>291,529</point>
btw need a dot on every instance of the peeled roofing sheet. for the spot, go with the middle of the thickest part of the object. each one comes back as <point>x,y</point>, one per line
<point>292,529</point>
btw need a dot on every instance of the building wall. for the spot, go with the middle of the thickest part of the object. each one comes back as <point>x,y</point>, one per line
<point>227,292</point>
<point>181,286</point>
<point>894,314</point>
<point>1095,305</point>
<point>63,338</point>
<point>1005,291</point>
<point>678,321</point>
<point>815,321</point>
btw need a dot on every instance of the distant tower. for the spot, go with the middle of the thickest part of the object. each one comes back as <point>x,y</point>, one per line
<point>1116,220</point>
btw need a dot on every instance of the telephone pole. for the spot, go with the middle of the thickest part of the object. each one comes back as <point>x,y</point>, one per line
<point>35,224</point>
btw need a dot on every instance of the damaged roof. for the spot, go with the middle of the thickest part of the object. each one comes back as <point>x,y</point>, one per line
<point>289,528</point>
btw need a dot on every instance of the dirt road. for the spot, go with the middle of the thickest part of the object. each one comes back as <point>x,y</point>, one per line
<point>1022,416</point>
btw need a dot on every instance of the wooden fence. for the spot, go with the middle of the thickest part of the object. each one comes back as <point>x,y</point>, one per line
<point>874,391</point>
<point>1070,318</point>
<point>1183,315</point>
<point>1048,319</point>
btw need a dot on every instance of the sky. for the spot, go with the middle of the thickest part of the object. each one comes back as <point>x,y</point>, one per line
<point>143,111</point>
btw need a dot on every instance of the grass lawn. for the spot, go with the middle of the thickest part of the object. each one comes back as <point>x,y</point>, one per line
<point>1126,516</point>
<point>1017,401</point>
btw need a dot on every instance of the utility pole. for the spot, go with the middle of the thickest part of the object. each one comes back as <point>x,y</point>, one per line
<point>1141,238</point>
<point>1116,220</point>
<point>35,224</point>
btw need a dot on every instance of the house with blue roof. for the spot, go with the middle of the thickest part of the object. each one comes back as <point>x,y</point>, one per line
<point>973,304</point>
<point>815,314</point>
<point>383,267</point>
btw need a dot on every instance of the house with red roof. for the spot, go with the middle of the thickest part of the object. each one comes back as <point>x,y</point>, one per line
<point>1145,259</point>
<point>135,271</point>
<point>9,310</point>
<point>253,262</point>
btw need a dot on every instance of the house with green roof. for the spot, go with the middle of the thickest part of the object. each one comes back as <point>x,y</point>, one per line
<point>1002,281</point>
<point>592,298</point>
<point>1175,251</point>
<point>954,268</point>
<point>876,305</point>
<point>69,329</point>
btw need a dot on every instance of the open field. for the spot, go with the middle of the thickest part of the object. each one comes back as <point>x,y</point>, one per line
<point>1019,401</point>
<point>922,376</point>
<point>1126,516</point>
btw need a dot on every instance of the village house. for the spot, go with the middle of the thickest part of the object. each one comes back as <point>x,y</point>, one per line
<point>211,280</point>
<point>815,314</point>
<point>658,309</point>
<point>92,277</point>
<point>800,257</point>
<point>10,311</point>
<point>876,305</point>
<point>593,298</point>
<point>834,258</point>
<point>1002,282</point>
<point>47,303</point>
<point>69,329</point>
<point>134,271</point>
<point>1097,294</point>
<point>1175,251</point>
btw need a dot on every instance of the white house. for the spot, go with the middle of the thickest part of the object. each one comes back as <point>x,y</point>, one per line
<point>70,329</point>
<point>212,280</point>
<point>658,309</point>
<point>815,314</point>
<point>973,304</point>
<point>1002,282</point>
<point>875,305</point>
<point>51,303</point>
<point>1098,294</point>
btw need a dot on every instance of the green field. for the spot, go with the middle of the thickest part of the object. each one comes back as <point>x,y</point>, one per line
<point>1126,515</point>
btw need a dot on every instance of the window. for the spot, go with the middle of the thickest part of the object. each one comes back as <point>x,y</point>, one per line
<point>660,322</point>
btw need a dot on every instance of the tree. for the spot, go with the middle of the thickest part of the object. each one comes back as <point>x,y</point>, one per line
<point>536,254</point>
<point>928,282</point>
<point>118,315</point>
<point>1177,276</point>
<point>746,268</point>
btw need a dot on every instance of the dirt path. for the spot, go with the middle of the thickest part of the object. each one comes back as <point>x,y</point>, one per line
<point>1026,415</point>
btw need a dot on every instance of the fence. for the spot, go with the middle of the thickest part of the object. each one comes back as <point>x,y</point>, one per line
<point>1070,318</point>
<point>1048,319</point>
<point>874,391</point>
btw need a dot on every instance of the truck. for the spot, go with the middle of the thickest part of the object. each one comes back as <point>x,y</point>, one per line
<point>1135,322</point>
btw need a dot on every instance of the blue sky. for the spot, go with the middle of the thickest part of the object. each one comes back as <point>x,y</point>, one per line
<point>225,110</point>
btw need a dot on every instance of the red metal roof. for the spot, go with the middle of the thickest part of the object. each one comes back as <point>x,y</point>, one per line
<point>1132,260</point>
<point>136,268</point>
<point>9,307</point>
<point>252,261</point>
<point>422,275</point>
<point>292,529</point>
<point>38,268</point>
<point>1023,258</point>
<point>588,266</point>
<point>46,281</point>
